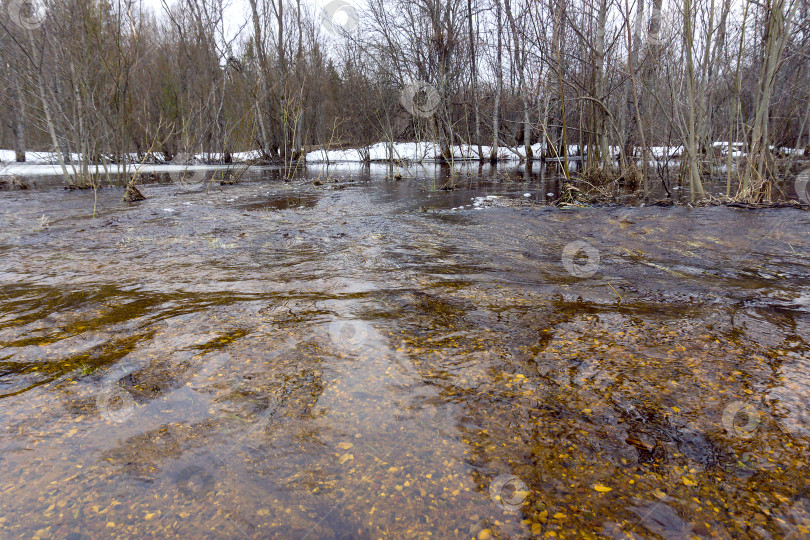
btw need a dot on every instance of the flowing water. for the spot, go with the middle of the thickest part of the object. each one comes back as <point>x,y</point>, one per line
<point>374,358</point>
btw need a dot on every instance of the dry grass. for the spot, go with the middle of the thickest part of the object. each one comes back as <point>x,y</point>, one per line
<point>603,185</point>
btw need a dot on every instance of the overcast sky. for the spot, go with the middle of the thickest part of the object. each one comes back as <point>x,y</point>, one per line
<point>238,11</point>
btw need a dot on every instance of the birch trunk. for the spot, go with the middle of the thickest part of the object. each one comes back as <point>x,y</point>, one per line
<point>777,31</point>
<point>493,154</point>
<point>263,67</point>
<point>474,78</point>
<point>695,185</point>
<point>46,109</point>
<point>600,85</point>
<point>18,126</point>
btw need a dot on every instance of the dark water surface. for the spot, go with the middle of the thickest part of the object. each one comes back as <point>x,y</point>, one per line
<point>363,359</point>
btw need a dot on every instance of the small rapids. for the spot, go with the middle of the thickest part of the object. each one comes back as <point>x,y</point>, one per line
<point>358,356</point>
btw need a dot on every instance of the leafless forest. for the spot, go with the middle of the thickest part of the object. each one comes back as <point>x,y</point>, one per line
<point>648,88</point>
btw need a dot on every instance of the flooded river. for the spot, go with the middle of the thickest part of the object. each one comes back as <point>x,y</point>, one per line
<point>378,358</point>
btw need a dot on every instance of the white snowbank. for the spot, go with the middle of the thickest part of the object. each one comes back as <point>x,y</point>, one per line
<point>413,152</point>
<point>42,168</point>
<point>46,163</point>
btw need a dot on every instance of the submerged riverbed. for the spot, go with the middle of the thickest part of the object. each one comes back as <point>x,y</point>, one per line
<point>374,358</point>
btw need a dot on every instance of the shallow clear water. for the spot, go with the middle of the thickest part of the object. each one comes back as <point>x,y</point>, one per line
<point>363,359</point>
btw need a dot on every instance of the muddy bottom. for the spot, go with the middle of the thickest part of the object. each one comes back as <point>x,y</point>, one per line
<point>373,358</point>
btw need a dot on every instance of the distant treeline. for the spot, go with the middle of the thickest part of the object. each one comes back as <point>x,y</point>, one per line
<point>105,78</point>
